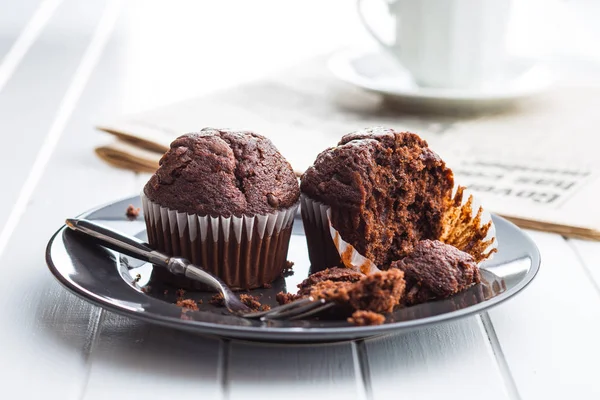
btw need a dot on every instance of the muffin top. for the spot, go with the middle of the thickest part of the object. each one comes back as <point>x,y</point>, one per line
<point>339,174</point>
<point>221,172</point>
<point>387,190</point>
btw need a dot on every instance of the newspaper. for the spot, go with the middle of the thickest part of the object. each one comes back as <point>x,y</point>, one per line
<point>542,196</point>
<point>536,165</point>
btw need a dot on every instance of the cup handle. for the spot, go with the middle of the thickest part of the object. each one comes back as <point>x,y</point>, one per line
<point>371,32</point>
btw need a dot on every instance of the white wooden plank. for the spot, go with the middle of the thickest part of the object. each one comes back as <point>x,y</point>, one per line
<point>30,99</point>
<point>14,17</point>
<point>548,333</point>
<point>258,371</point>
<point>25,39</point>
<point>589,254</point>
<point>46,331</point>
<point>132,360</point>
<point>449,361</point>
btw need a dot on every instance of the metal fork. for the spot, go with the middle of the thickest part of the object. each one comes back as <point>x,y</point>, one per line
<point>134,247</point>
<point>298,309</point>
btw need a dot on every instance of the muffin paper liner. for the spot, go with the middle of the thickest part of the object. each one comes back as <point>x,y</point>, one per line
<point>245,252</point>
<point>466,225</point>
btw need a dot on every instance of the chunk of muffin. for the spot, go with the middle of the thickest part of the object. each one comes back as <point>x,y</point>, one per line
<point>377,292</point>
<point>436,270</point>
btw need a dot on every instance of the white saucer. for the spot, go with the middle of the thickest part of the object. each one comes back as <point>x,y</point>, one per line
<point>377,72</point>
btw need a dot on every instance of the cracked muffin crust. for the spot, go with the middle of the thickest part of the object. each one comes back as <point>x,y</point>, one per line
<point>222,172</point>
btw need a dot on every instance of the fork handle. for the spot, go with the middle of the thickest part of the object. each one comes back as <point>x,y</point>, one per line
<point>128,245</point>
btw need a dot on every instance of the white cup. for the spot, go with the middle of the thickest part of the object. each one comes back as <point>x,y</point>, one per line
<point>448,43</point>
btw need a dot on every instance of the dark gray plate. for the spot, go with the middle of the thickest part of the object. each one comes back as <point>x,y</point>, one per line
<point>106,279</point>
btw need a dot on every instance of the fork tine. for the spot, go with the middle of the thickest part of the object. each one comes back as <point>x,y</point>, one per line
<point>299,310</point>
<point>314,311</point>
<point>277,310</point>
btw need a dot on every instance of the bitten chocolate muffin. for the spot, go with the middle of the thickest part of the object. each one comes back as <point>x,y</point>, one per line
<point>225,200</point>
<point>221,172</point>
<point>436,270</point>
<point>387,191</point>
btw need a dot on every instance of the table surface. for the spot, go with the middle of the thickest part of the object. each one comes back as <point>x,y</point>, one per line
<point>65,65</point>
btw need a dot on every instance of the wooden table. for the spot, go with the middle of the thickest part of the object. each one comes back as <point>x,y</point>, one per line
<point>65,65</point>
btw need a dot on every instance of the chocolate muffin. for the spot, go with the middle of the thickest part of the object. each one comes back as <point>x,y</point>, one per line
<point>225,200</point>
<point>222,172</point>
<point>386,190</point>
<point>435,270</point>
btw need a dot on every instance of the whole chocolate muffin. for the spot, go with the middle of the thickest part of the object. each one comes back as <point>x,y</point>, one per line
<point>221,172</point>
<point>225,200</point>
<point>387,191</point>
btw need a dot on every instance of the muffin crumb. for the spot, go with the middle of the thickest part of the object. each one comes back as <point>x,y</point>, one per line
<point>136,279</point>
<point>287,269</point>
<point>180,292</point>
<point>166,292</point>
<point>284,298</point>
<point>267,286</point>
<point>250,301</point>
<point>187,303</point>
<point>218,300</point>
<point>366,318</point>
<point>132,212</point>
<point>146,289</point>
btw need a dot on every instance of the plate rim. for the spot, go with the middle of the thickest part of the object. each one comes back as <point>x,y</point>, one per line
<point>271,333</point>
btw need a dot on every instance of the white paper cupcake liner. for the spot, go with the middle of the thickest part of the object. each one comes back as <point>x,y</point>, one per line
<point>327,248</point>
<point>472,212</point>
<point>245,252</point>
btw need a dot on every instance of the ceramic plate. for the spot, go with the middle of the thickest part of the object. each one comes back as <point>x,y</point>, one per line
<point>377,72</point>
<point>107,279</point>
